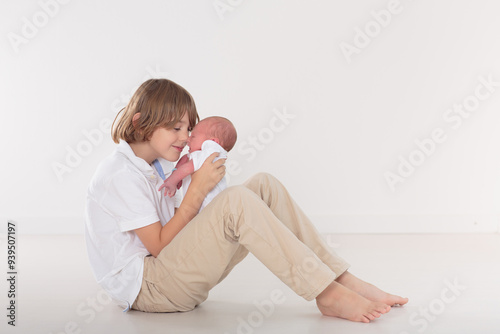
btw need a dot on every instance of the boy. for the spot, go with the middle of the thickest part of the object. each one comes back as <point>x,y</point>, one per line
<point>212,134</point>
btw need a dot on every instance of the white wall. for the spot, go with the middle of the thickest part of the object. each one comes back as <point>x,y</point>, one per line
<point>353,115</point>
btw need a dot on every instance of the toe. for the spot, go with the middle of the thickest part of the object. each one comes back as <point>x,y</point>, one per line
<point>382,308</point>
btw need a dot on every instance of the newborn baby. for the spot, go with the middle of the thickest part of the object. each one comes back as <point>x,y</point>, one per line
<point>212,134</point>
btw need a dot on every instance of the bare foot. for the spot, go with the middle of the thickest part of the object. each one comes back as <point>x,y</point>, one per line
<point>338,301</point>
<point>369,291</point>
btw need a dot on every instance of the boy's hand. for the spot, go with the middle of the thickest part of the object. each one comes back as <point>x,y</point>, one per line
<point>210,173</point>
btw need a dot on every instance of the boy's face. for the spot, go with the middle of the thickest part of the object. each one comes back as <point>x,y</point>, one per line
<point>198,136</point>
<point>168,143</point>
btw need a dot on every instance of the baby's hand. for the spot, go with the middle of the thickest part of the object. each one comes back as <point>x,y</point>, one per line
<point>169,187</point>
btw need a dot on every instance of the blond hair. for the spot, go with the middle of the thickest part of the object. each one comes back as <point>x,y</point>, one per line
<point>161,103</point>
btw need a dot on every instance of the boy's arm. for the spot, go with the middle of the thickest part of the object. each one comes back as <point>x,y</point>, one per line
<point>155,236</point>
<point>183,169</point>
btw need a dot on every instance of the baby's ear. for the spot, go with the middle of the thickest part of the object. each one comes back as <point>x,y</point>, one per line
<point>216,140</point>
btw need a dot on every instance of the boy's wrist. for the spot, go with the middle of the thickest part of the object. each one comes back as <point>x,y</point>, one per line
<point>192,201</point>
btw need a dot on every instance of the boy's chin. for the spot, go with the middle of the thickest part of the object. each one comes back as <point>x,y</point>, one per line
<point>172,157</point>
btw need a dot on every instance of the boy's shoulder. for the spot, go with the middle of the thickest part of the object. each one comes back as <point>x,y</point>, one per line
<point>114,168</point>
<point>111,164</point>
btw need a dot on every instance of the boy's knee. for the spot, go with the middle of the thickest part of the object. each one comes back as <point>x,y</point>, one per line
<point>263,178</point>
<point>240,197</point>
<point>238,191</point>
<point>229,194</point>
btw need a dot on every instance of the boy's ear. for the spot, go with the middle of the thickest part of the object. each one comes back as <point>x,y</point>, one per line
<point>216,140</point>
<point>135,119</point>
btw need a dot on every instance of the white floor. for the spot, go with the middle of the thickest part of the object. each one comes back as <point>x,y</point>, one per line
<point>57,292</point>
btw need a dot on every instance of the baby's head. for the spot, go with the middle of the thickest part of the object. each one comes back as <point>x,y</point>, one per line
<point>218,129</point>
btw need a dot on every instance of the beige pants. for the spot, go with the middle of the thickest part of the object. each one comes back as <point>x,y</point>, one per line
<point>260,217</point>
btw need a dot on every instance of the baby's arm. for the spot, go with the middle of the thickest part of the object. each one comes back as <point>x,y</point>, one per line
<point>184,168</point>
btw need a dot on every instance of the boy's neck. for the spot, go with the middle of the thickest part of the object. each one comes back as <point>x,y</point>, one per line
<point>143,150</point>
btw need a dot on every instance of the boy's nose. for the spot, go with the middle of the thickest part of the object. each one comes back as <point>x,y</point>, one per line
<point>184,137</point>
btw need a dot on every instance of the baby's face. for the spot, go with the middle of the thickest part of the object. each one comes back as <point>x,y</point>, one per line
<point>198,136</point>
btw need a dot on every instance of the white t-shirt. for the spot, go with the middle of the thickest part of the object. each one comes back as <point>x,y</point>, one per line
<point>122,196</point>
<point>198,157</point>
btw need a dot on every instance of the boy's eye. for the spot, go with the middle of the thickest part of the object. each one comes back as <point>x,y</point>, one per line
<point>177,129</point>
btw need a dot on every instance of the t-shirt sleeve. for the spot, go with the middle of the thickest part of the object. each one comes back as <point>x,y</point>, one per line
<point>128,198</point>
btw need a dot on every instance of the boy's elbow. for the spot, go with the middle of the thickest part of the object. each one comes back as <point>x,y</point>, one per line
<point>150,237</point>
<point>158,247</point>
<point>156,250</point>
